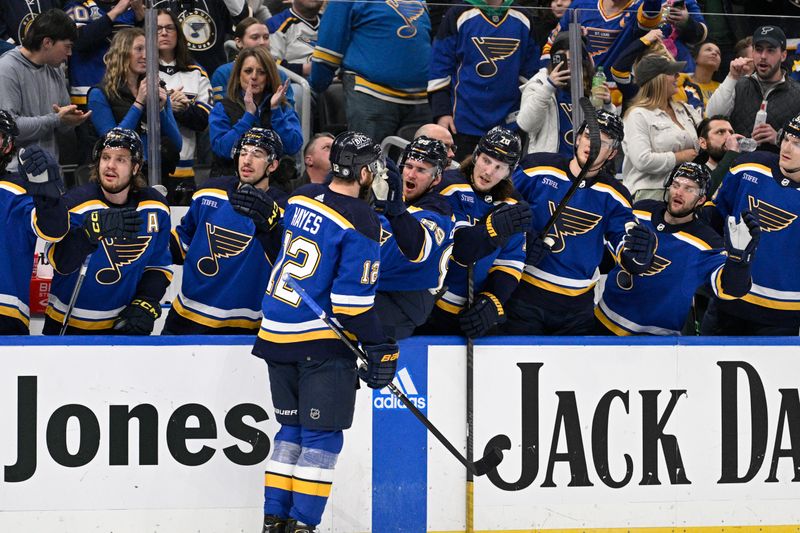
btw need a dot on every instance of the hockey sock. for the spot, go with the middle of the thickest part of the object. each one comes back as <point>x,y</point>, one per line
<point>278,477</point>
<point>313,475</point>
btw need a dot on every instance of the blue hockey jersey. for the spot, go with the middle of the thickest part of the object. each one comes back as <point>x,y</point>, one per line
<point>331,246</point>
<point>17,16</point>
<point>116,267</point>
<point>596,215</point>
<point>225,267</point>
<point>756,182</point>
<point>19,228</point>
<point>687,256</point>
<point>477,66</point>
<point>386,44</point>
<point>428,268</point>
<point>498,272</point>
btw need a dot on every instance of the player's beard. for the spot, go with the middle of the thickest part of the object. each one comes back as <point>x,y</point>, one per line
<point>119,187</point>
<point>685,211</point>
<point>716,153</point>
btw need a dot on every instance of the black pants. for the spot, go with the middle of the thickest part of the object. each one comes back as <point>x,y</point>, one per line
<point>525,318</point>
<point>719,323</point>
<point>401,313</point>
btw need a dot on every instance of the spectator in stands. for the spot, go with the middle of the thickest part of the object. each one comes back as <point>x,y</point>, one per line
<point>121,98</point>
<point>650,43</point>
<point>659,132</point>
<point>545,112</point>
<point>472,87</point>
<point>206,24</point>
<point>744,48</point>
<point>683,27</point>
<point>16,17</point>
<point>700,84</point>
<point>249,33</point>
<point>97,22</point>
<point>316,157</point>
<point>546,18</point>
<point>384,51</point>
<point>32,85</point>
<point>741,95</point>
<point>443,135</point>
<point>294,34</point>
<point>190,98</point>
<point>719,146</point>
<point>690,256</point>
<point>254,98</point>
<point>120,231</point>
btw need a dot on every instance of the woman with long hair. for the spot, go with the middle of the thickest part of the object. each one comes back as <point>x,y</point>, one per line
<point>190,97</point>
<point>255,98</point>
<point>659,131</point>
<point>120,99</point>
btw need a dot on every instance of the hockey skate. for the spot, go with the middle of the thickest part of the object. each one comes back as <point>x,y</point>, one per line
<point>273,524</point>
<point>293,526</point>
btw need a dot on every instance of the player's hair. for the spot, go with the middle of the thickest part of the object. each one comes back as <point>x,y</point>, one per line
<point>117,61</point>
<point>138,181</point>
<point>234,92</point>
<point>182,59</point>
<point>53,24</point>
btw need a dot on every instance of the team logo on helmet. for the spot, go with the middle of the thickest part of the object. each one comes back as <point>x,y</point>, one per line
<point>501,144</point>
<point>425,149</point>
<point>222,244</point>
<point>693,171</point>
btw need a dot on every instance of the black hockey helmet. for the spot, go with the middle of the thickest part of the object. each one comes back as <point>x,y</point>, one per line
<point>693,171</point>
<point>350,151</point>
<point>264,138</point>
<point>610,124</point>
<point>425,149</point>
<point>501,144</point>
<point>8,127</point>
<point>792,127</point>
<point>120,138</point>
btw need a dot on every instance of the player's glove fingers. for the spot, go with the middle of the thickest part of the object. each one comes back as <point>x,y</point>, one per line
<point>536,249</point>
<point>479,319</point>
<point>130,222</point>
<point>138,317</point>
<point>381,364</point>
<point>750,219</point>
<point>639,240</point>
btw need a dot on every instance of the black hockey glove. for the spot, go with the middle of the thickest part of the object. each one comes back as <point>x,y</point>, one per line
<point>484,313</point>
<point>112,223</point>
<point>138,318</point>
<point>258,205</point>
<point>741,239</point>
<point>381,364</point>
<point>41,172</point>
<point>537,249</point>
<point>389,191</point>
<point>507,220</point>
<point>638,247</point>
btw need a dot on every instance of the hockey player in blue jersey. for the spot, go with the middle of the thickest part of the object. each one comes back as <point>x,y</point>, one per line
<point>556,293</point>
<point>39,213</point>
<point>331,247</point>
<point>769,185</point>
<point>689,255</point>
<point>489,233</point>
<point>416,237</point>
<point>118,240</point>
<point>224,242</point>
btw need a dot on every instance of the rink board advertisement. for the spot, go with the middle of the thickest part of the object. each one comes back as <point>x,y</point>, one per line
<point>597,435</point>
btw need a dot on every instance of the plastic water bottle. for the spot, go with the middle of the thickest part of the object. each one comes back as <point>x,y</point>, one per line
<point>761,115</point>
<point>598,80</point>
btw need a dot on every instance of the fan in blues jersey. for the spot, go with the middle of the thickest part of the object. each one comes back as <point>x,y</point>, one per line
<point>226,242</point>
<point>556,293</point>
<point>489,234</point>
<point>24,217</point>
<point>118,240</point>
<point>769,185</point>
<point>331,247</point>
<point>416,237</point>
<point>688,255</point>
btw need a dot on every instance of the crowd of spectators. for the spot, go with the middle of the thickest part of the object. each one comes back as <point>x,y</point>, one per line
<point>689,81</point>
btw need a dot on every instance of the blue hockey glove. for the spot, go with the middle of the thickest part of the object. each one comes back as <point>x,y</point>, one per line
<point>41,172</point>
<point>112,223</point>
<point>381,364</point>
<point>741,239</point>
<point>537,249</point>
<point>507,220</point>
<point>258,205</point>
<point>138,318</point>
<point>484,313</point>
<point>639,245</point>
<point>388,189</point>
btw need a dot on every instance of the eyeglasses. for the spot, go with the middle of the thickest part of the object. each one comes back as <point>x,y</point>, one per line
<point>169,28</point>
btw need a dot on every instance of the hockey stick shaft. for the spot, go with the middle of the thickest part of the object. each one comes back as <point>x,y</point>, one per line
<point>470,518</point>
<point>74,296</point>
<point>314,306</point>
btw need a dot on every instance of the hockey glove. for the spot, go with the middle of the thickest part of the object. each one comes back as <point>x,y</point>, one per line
<point>138,318</point>
<point>741,239</point>
<point>537,250</point>
<point>392,203</point>
<point>381,364</point>
<point>638,247</point>
<point>41,172</point>
<point>507,220</point>
<point>484,313</point>
<point>258,205</point>
<point>112,224</point>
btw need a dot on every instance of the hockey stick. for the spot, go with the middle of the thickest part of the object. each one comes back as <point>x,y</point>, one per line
<point>580,181</point>
<point>470,525</point>
<point>74,297</point>
<point>477,468</point>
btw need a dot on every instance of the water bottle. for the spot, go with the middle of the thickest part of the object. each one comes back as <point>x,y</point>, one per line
<point>761,115</point>
<point>598,80</point>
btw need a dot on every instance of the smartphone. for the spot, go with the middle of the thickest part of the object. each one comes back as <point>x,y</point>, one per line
<point>558,58</point>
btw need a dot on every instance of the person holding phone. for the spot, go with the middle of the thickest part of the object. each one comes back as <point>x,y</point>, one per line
<point>683,27</point>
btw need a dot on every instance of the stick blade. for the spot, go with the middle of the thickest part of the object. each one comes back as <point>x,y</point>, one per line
<point>488,462</point>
